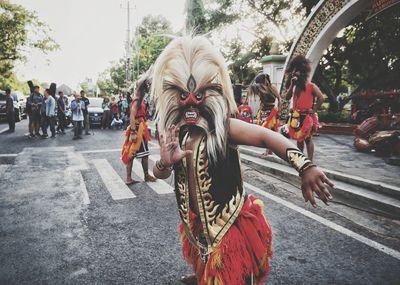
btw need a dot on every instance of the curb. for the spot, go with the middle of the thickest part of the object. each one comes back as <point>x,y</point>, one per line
<point>378,187</point>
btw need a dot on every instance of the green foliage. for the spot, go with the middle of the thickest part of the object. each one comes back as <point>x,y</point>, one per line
<point>365,56</point>
<point>151,37</point>
<point>340,117</point>
<point>21,30</point>
<point>244,62</point>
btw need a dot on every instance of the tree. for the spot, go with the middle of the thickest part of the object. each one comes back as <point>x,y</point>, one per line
<point>21,30</point>
<point>151,37</point>
<point>364,56</point>
<point>195,19</point>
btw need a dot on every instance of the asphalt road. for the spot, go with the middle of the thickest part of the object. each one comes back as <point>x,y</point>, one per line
<point>66,218</point>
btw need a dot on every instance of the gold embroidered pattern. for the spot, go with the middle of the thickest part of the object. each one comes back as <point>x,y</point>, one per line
<point>297,159</point>
<point>215,224</point>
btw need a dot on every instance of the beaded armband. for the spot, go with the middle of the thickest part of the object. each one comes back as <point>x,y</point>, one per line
<point>298,160</point>
<point>161,167</point>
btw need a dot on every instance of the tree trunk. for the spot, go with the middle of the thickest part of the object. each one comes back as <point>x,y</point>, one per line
<point>323,84</point>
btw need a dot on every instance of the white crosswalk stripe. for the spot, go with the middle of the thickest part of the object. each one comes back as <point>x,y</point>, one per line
<point>160,186</point>
<point>115,185</point>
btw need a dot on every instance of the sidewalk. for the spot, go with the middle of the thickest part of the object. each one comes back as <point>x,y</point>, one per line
<point>336,152</point>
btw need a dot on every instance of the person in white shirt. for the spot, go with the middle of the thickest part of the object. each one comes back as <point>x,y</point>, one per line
<point>77,116</point>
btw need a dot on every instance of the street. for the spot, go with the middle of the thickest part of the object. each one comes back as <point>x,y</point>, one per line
<point>68,218</point>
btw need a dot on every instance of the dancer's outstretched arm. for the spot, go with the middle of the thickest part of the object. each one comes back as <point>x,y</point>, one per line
<point>313,179</point>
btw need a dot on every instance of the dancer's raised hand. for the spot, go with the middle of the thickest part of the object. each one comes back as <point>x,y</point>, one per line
<point>170,150</point>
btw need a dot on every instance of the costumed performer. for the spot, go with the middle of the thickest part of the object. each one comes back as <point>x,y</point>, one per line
<point>270,102</point>
<point>303,120</point>
<point>137,133</point>
<point>225,236</point>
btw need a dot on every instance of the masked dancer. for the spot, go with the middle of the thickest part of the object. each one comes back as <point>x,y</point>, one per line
<point>137,133</point>
<point>224,233</point>
<point>303,120</point>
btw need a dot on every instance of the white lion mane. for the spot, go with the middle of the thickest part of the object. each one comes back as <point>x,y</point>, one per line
<point>185,56</point>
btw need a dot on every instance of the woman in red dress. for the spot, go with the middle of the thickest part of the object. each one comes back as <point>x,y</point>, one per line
<point>303,122</point>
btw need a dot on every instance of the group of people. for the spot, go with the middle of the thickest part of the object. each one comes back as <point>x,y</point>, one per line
<point>224,234</point>
<point>48,111</point>
<point>302,122</point>
<point>117,113</point>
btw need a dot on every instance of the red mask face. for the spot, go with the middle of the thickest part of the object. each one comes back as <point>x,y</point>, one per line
<point>191,101</point>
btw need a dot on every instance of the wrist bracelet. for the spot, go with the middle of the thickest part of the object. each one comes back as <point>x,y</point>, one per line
<point>297,159</point>
<point>305,168</point>
<point>161,166</point>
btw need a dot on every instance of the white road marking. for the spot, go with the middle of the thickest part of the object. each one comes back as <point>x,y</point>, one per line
<point>160,186</point>
<point>336,227</point>
<point>106,150</point>
<point>115,185</point>
<point>154,144</point>
<point>100,150</point>
<point>82,185</point>
<point>8,155</point>
<point>3,130</point>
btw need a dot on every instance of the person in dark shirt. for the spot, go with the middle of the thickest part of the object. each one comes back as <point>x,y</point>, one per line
<point>10,111</point>
<point>85,110</point>
<point>61,107</point>
<point>36,101</point>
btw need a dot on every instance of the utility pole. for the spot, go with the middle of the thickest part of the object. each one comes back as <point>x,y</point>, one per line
<point>128,51</point>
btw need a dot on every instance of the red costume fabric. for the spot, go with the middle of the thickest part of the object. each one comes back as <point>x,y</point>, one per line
<point>302,124</point>
<point>245,113</point>
<point>243,252</point>
<point>130,148</point>
<point>141,117</point>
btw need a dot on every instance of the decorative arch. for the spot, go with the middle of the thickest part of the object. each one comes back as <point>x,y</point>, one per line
<point>322,26</point>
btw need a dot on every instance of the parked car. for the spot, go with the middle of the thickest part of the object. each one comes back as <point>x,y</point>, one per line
<point>19,105</point>
<point>95,111</point>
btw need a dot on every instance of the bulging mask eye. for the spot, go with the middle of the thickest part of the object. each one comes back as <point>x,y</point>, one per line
<point>199,95</point>
<point>184,95</point>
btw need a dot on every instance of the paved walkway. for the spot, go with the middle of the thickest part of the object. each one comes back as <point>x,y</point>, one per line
<point>336,152</point>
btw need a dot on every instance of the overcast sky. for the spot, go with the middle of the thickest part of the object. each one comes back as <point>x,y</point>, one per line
<point>91,34</point>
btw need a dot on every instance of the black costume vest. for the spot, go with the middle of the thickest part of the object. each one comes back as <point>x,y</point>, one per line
<point>219,191</point>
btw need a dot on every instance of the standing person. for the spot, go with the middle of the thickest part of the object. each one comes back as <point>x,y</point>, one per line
<point>85,103</point>
<point>245,111</point>
<point>43,119</point>
<point>303,120</point>
<point>77,117</point>
<point>224,233</point>
<point>36,100</point>
<point>106,120</point>
<point>270,101</point>
<point>50,115</point>
<point>114,107</point>
<point>28,111</point>
<point>10,113</point>
<point>137,134</point>
<point>61,108</point>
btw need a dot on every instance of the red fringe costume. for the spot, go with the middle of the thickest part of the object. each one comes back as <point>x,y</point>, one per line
<point>271,122</point>
<point>302,125</point>
<point>243,251</point>
<point>129,148</point>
